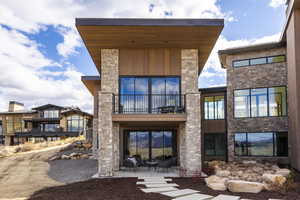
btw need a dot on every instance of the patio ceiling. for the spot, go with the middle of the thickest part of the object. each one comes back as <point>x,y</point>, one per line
<point>100,33</point>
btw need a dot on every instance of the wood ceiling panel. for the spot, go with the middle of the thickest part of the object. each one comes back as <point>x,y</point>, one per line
<point>196,33</point>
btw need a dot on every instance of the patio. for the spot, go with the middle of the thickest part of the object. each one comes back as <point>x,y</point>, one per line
<point>146,172</point>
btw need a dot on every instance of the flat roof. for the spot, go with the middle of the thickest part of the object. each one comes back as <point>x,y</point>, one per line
<point>18,112</point>
<point>91,82</point>
<point>213,89</point>
<point>255,47</point>
<point>147,22</point>
<point>98,33</point>
<point>242,49</point>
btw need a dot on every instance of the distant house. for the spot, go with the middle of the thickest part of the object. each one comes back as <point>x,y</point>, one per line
<point>44,123</point>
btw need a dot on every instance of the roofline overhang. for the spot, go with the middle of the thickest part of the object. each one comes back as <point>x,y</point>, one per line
<point>93,44</point>
<point>90,82</point>
<point>242,49</point>
<point>213,89</point>
<point>148,22</point>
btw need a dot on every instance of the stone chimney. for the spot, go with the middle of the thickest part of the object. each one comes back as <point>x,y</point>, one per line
<point>15,106</point>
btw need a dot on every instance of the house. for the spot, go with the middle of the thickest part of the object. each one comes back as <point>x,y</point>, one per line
<point>147,100</point>
<point>44,123</point>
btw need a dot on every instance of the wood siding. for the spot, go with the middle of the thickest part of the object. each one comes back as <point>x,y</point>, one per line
<point>150,62</point>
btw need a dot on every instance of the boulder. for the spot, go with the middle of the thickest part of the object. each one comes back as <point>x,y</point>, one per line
<point>222,173</point>
<point>65,157</point>
<point>283,172</point>
<point>275,179</point>
<point>84,156</point>
<point>216,163</point>
<point>216,183</point>
<point>244,186</point>
<point>246,162</point>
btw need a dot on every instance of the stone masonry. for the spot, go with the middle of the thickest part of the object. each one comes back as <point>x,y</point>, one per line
<point>190,132</point>
<point>267,75</point>
<point>107,130</point>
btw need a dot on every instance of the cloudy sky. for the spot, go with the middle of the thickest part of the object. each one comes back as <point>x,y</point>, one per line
<point>42,56</point>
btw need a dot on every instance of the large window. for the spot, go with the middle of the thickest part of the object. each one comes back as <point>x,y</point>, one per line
<point>214,144</point>
<point>258,61</point>
<point>214,107</point>
<point>51,114</point>
<point>50,127</point>
<point>75,123</point>
<point>242,103</point>
<point>148,94</point>
<point>14,124</point>
<point>261,144</point>
<point>260,102</point>
<point>150,145</point>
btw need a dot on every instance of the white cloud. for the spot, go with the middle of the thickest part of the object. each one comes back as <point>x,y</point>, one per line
<point>24,76</point>
<point>276,3</point>
<point>33,15</point>
<point>71,41</point>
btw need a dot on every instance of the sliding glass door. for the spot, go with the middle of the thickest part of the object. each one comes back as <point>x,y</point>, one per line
<point>148,94</point>
<point>150,145</point>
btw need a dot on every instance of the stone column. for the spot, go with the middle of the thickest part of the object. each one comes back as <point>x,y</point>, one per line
<point>107,130</point>
<point>191,138</point>
<point>95,122</point>
<point>7,140</point>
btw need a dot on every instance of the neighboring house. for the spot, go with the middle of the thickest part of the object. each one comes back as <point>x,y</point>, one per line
<point>147,101</point>
<point>44,123</point>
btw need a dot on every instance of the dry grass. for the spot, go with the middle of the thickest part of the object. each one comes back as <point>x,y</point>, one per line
<point>29,146</point>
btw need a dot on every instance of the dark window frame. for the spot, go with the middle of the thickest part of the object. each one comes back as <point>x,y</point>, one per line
<point>268,103</point>
<point>249,61</point>
<point>126,138</point>
<point>214,109</point>
<point>150,109</point>
<point>275,136</point>
<point>214,135</point>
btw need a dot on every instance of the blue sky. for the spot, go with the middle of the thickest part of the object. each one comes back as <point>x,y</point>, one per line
<point>43,56</point>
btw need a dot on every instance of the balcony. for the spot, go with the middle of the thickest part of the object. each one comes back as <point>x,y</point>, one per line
<point>149,108</point>
<point>148,104</point>
<point>37,132</point>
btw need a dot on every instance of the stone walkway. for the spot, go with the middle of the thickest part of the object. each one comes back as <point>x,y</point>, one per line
<point>163,186</point>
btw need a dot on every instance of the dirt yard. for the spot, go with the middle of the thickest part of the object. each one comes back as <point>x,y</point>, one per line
<point>23,174</point>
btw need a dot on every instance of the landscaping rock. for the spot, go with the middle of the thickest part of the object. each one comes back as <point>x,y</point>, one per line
<point>275,179</point>
<point>283,172</point>
<point>216,183</point>
<point>65,157</point>
<point>244,186</point>
<point>223,173</point>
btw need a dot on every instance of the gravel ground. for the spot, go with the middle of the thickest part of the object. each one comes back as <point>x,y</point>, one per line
<point>68,171</point>
<point>23,174</point>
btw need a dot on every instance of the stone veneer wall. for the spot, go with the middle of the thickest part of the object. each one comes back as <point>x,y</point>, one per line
<point>190,132</point>
<point>267,75</point>
<point>95,123</point>
<point>108,132</point>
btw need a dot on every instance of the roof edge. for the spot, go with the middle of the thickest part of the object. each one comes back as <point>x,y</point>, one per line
<point>148,22</point>
<point>254,47</point>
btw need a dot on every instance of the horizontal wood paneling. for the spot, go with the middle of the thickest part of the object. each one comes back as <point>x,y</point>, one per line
<point>150,62</point>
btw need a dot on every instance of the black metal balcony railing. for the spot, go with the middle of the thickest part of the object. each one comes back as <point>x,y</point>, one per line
<point>146,104</point>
